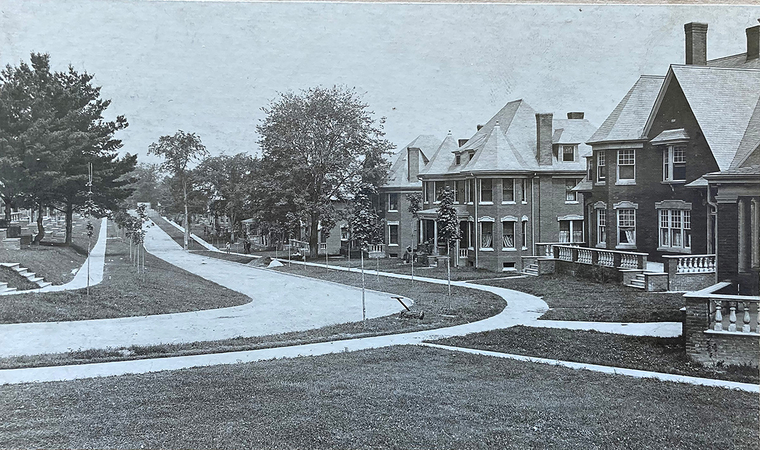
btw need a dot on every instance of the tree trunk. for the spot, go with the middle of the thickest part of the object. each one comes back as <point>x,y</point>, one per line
<point>69,223</point>
<point>314,237</point>
<point>187,221</point>
<point>40,228</point>
<point>7,202</point>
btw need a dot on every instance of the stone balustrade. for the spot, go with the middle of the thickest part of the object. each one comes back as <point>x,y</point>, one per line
<point>600,257</point>
<point>463,253</point>
<point>726,310</point>
<point>546,249</point>
<point>690,263</point>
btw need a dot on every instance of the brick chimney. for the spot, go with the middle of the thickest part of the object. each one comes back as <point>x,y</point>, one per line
<point>544,131</point>
<point>413,163</point>
<point>575,115</point>
<point>696,43</point>
<point>753,42</point>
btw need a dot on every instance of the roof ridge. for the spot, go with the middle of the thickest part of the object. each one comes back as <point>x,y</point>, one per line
<point>737,69</point>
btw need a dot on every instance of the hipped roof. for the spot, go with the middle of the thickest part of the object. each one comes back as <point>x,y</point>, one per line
<point>398,175</point>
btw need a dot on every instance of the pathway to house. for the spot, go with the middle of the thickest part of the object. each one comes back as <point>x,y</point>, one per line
<point>280,303</point>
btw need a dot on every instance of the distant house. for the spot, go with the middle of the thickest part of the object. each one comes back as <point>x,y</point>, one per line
<point>647,188</point>
<point>401,228</point>
<point>513,182</point>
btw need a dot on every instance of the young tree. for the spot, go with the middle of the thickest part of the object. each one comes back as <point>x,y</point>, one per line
<point>415,206</point>
<point>448,226</point>
<point>317,146</point>
<point>366,224</point>
<point>179,151</point>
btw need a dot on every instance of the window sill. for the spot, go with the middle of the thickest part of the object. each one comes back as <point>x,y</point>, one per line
<point>673,182</point>
<point>392,210</point>
<point>626,246</point>
<point>392,245</point>
<point>602,245</point>
<point>485,203</point>
<point>600,183</point>
<point>508,203</point>
<point>525,248</point>
<point>675,250</point>
<point>625,183</point>
<point>486,249</point>
<point>508,249</point>
<point>524,202</point>
<point>571,202</point>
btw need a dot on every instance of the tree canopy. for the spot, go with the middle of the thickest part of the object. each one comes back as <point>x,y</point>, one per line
<point>318,146</point>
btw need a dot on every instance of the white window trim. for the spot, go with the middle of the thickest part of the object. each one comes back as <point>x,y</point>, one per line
<point>480,228</point>
<point>514,233</point>
<point>514,196</point>
<point>561,153</point>
<point>571,202</point>
<point>626,205</point>
<point>670,228</point>
<point>524,232</point>
<point>627,181</point>
<point>601,243</point>
<point>398,230</point>
<point>597,166</point>
<point>572,218</point>
<point>668,151</point>
<point>389,201</point>
<point>480,193</point>
<point>523,190</point>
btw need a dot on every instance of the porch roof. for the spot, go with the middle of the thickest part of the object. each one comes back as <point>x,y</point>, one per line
<point>432,213</point>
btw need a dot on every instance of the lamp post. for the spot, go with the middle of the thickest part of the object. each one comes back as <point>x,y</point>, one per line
<point>364,308</point>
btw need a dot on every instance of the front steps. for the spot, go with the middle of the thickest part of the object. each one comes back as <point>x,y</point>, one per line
<point>24,272</point>
<point>638,282</point>
<point>531,269</point>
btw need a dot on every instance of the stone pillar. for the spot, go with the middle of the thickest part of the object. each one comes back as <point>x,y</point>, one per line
<point>435,237</point>
<point>743,243</point>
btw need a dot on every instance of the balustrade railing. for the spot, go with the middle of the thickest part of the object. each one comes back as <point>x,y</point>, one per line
<point>690,263</point>
<point>376,248</point>
<point>322,248</point>
<point>600,257</point>
<point>463,253</point>
<point>546,249</point>
<point>736,314</point>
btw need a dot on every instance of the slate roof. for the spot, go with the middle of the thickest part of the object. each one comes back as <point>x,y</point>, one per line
<point>507,144</point>
<point>735,61</point>
<point>628,119</point>
<point>671,136</point>
<point>749,148</point>
<point>398,175</point>
<point>723,102</point>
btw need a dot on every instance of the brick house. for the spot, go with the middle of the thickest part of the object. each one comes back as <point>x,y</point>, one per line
<point>513,182</point>
<point>400,226</point>
<point>645,190</point>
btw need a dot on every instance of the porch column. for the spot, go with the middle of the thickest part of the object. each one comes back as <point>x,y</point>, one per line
<point>755,230</point>
<point>742,234</point>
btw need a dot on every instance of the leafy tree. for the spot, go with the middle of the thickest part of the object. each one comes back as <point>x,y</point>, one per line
<point>52,128</point>
<point>147,185</point>
<point>366,225</point>
<point>448,223</point>
<point>179,151</point>
<point>318,146</point>
<point>226,181</point>
<point>415,206</point>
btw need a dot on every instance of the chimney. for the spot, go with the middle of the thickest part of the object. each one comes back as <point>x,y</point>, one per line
<point>753,42</point>
<point>461,142</point>
<point>575,115</point>
<point>479,127</point>
<point>696,43</point>
<point>413,163</point>
<point>544,130</point>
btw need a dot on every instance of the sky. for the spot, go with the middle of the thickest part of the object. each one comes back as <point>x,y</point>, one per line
<point>210,67</point>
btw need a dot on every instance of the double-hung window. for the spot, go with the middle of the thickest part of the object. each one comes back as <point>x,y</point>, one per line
<point>508,235</point>
<point>524,189</point>
<point>675,229</point>
<point>568,153</point>
<point>570,195</point>
<point>601,166</point>
<point>674,163</point>
<point>508,190</point>
<point>393,233</point>
<point>524,234</point>
<point>570,231</point>
<point>486,190</point>
<point>626,219</point>
<point>601,227</point>
<point>626,166</point>
<point>486,235</point>
<point>393,202</point>
<point>459,191</point>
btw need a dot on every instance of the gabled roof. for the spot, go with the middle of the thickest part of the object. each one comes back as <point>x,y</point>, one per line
<point>504,117</point>
<point>442,158</point>
<point>749,147</point>
<point>398,175</point>
<point>723,102</point>
<point>628,119</point>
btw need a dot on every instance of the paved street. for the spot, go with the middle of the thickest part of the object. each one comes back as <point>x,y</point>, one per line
<point>280,303</point>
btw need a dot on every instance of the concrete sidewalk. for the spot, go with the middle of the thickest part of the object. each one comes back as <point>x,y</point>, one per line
<point>656,329</point>
<point>280,303</point>
<point>96,261</point>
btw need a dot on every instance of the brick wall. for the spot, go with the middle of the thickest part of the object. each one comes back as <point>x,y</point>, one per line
<point>715,348</point>
<point>728,241</point>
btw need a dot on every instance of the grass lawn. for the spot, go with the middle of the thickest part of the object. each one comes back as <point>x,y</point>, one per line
<point>401,397</point>
<point>634,352</point>
<point>52,259</point>
<point>164,288</point>
<point>580,299</point>
<point>468,304</point>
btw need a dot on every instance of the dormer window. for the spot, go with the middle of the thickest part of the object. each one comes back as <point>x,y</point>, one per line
<point>458,159</point>
<point>568,153</point>
<point>674,163</point>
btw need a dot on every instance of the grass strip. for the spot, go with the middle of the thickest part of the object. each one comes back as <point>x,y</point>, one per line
<point>585,300</point>
<point>400,397</point>
<point>654,354</point>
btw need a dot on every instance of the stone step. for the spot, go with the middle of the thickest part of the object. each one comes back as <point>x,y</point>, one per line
<point>43,283</point>
<point>35,279</point>
<point>8,289</point>
<point>9,265</point>
<point>12,243</point>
